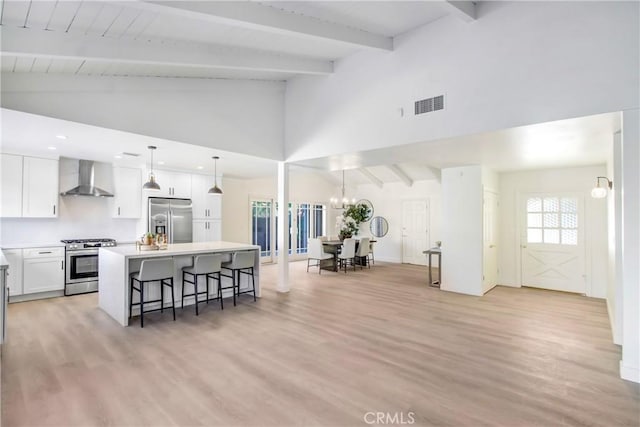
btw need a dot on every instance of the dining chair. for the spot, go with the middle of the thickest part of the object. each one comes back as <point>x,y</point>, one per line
<point>348,254</point>
<point>316,253</point>
<point>362,255</point>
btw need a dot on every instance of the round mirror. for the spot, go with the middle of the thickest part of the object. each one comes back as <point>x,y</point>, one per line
<point>369,206</point>
<point>379,226</point>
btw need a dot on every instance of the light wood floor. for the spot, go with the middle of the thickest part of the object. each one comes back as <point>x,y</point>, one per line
<point>327,353</point>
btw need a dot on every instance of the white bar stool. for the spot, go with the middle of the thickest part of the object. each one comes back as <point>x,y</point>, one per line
<point>152,270</point>
<point>203,265</point>
<point>241,263</point>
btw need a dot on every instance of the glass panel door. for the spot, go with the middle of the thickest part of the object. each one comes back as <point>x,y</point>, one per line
<point>261,226</point>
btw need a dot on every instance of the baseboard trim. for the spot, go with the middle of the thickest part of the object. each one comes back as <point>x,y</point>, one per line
<point>629,373</point>
<point>36,296</point>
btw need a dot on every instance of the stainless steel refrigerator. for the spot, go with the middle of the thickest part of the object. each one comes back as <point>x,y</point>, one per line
<point>173,217</point>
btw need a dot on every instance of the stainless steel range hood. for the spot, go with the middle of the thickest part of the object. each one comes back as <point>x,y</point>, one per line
<point>86,182</point>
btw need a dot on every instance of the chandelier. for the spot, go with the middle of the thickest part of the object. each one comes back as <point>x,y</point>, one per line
<point>342,202</point>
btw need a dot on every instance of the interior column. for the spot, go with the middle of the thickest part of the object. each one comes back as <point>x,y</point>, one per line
<point>283,227</point>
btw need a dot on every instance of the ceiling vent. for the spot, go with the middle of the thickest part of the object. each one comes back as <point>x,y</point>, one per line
<point>430,104</point>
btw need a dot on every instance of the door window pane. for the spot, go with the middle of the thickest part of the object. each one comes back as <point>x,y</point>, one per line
<point>261,226</point>
<point>304,227</point>
<point>552,220</point>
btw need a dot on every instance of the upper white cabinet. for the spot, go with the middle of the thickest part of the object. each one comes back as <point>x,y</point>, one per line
<point>127,192</point>
<point>10,185</point>
<point>172,184</point>
<point>207,231</point>
<point>39,188</point>
<point>205,205</point>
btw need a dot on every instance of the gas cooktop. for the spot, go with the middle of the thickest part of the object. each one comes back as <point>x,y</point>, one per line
<point>89,241</point>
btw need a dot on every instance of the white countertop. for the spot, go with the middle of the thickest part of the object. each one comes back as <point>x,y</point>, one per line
<point>177,249</point>
<point>32,245</point>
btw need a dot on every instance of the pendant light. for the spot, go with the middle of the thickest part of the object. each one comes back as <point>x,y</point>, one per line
<point>343,202</point>
<point>151,184</point>
<point>215,189</point>
<point>601,192</point>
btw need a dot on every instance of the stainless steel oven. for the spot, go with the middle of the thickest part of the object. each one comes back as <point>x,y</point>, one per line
<point>81,275</point>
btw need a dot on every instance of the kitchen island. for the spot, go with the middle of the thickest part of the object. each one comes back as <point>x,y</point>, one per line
<point>116,263</point>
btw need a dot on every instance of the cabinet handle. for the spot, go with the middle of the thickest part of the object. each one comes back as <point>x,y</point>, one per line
<point>118,210</point>
<point>54,209</point>
<point>45,252</point>
<point>61,265</point>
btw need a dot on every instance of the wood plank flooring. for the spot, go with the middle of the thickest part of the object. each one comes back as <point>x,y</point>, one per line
<point>334,348</point>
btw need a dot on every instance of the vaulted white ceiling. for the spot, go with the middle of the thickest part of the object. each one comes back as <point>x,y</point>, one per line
<point>203,39</point>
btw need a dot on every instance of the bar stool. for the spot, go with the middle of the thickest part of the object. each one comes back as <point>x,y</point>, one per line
<point>203,265</point>
<point>152,270</point>
<point>241,263</point>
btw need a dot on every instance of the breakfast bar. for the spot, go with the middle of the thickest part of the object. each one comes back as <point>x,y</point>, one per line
<point>116,264</point>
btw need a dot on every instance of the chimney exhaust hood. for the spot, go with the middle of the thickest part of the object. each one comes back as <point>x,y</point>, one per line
<point>86,181</point>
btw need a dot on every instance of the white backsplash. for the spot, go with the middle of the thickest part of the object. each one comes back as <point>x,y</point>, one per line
<point>79,218</point>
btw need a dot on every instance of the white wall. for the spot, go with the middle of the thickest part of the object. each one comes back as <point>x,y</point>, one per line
<point>519,63</point>
<point>462,260</point>
<point>630,217</point>
<point>304,187</point>
<point>614,229</point>
<point>78,218</point>
<point>573,180</point>
<point>387,202</point>
<point>239,116</point>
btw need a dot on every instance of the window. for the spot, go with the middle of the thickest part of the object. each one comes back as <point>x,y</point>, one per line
<point>261,226</point>
<point>552,220</point>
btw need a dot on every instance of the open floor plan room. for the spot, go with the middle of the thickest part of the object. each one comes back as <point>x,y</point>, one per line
<point>328,353</point>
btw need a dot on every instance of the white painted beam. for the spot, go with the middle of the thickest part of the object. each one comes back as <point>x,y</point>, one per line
<point>270,19</point>
<point>33,42</point>
<point>374,179</point>
<point>465,10</point>
<point>397,171</point>
<point>437,173</point>
<point>283,229</point>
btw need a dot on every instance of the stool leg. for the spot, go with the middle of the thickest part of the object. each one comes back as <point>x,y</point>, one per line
<point>220,291</point>
<point>130,297</point>
<point>142,304</point>
<point>173,301</point>
<point>233,286</point>
<point>207,279</point>
<point>162,296</point>
<point>195,291</point>
<point>184,275</point>
<point>253,280</point>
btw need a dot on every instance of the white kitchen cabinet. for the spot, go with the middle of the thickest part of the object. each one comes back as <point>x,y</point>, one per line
<point>14,278</point>
<point>127,192</point>
<point>172,184</point>
<point>207,230</point>
<point>39,188</point>
<point>205,205</point>
<point>43,270</point>
<point>10,185</point>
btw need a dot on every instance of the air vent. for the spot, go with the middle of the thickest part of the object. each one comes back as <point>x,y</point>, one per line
<point>430,104</point>
<point>130,154</point>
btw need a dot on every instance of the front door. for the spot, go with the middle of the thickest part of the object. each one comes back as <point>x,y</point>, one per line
<point>415,231</point>
<point>552,242</point>
<point>490,241</point>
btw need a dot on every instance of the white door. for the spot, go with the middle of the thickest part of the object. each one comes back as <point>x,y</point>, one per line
<point>40,188</point>
<point>128,192</point>
<point>490,241</point>
<point>10,185</point>
<point>552,242</point>
<point>415,231</point>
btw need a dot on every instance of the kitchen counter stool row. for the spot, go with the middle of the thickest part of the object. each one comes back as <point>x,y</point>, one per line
<point>209,266</point>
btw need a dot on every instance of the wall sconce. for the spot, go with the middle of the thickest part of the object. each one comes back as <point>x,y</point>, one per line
<point>601,192</point>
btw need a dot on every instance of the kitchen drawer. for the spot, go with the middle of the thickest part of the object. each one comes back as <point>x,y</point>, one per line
<point>43,252</point>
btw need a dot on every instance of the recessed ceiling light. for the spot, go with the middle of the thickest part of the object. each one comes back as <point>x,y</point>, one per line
<point>161,163</point>
<point>117,157</point>
<point>61,136</point>
<point>51,148</point>
<point>200,167</point>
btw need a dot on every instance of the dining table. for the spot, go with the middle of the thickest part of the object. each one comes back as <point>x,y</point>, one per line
<point>333,247</point>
